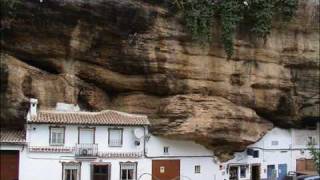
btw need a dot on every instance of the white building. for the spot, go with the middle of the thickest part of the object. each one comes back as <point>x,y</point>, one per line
<point>277,153</point>
<point>70,145</point>
<point>67,144</point>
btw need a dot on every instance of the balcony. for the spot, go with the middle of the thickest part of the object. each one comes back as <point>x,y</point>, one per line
<point>86,150</point>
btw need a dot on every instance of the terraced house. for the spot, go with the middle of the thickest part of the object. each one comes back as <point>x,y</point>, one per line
<point>68,144</point>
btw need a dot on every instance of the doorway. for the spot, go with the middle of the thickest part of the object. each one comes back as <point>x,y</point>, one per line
<point>100,172</point>
<point>271,172</point>
<point>282,171</point>
<point>233,173</point>
<point>255,172</point>
<point>9,165</point>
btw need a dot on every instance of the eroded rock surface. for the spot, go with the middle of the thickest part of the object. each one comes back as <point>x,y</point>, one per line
<point>137,57</point>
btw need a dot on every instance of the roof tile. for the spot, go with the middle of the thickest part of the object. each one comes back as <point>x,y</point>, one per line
<point>107,117</point>
<point>12,136</point>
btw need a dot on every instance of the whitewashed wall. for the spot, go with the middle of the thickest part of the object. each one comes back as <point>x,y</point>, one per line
<point>189,153</point>
<point>286,152</point>
<point>39,166</point>
<point>155,145</point>
<point>48,166</point>
<point>38,135</point>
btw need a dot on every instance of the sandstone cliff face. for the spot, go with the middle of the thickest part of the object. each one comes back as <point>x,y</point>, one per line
<point>136,57</point>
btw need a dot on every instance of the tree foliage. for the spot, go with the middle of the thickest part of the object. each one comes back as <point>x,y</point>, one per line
<point>201,15</point>
<point>9,7</point>
<point>315,153</point>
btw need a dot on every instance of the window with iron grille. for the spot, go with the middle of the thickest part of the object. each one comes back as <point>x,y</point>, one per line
<point>128,171</point>
<point>312,140</point>
<point>197,169</point>
<point>166,150</point>
<point>56,135</point>
<point>115,137</point>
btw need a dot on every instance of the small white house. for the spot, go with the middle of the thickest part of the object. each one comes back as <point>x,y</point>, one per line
<point>278,153</point>
<point>69,144</point>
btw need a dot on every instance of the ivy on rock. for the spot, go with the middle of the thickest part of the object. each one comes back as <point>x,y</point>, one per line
<point>257,15</point>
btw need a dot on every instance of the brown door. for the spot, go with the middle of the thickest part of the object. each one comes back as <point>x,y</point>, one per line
<point>165,169</point>
<point>255,172</point>
<point>305,165</point>
<point>9,165</point>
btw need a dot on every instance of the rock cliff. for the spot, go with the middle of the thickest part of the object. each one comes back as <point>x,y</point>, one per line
<point>136,56</point>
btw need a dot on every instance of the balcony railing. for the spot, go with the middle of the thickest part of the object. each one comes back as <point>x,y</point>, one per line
<point>86,150</point>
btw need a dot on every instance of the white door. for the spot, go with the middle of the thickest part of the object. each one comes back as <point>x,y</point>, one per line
<point>86,136</point>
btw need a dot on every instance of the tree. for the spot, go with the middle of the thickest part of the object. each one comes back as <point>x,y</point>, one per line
<point>315,153</point>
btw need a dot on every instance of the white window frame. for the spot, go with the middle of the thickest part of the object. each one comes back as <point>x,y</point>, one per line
<point>86,129</point>
<point>113,144</point>
<point>71,166</point>
<point>134,164</point>
<point>53,136</point>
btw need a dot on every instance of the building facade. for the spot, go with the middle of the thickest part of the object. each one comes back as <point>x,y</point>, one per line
<point>68,144</point>
<point>278,153</point>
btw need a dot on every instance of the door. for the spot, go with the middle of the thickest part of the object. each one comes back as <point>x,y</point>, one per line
<point>9,165</point>
<point>233,173</point>
<point>282,171</point>
<point>165,169</point>
<point>100,172</point>
<point>305,165</point>
<point>255,172</point>
<point>271,172</point>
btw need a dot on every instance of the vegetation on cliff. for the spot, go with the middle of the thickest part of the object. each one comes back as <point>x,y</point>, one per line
<point>256,15</point>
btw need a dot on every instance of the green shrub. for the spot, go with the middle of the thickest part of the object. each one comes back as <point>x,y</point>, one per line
<point>257,15</point>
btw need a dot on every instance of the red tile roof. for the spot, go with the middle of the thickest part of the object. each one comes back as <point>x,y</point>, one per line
<point>12,136</point>
<point>107,117</point>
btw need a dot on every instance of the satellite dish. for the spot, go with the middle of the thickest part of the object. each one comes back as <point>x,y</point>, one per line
<point>138,133</point>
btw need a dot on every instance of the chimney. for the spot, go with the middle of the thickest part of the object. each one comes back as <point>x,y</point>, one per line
<point>33,108</point>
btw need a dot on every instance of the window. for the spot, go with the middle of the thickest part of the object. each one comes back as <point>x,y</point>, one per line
<point>197,169</point>
<point>312,140</point>
<point>274,143</point>
<point>166,150</point>
<point>115,137</point>
<point>311,126</point>
<point>243,171</point>
<point>71,171</point>
<point>56,135</point>
<point>86,136</point>
<point>128,171</point>
<point>256,153</point>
